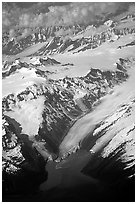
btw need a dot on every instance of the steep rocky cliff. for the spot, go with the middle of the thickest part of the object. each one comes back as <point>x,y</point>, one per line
<point>68,103</point>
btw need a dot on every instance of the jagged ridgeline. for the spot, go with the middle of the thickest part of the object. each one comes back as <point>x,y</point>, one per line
<point>68,106</point>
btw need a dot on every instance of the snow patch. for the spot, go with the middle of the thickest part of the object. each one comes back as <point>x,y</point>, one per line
<point>19,81</point>
<point>29,115</point>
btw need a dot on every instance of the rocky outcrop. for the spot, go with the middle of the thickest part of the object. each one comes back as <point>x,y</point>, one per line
<point>65,101</point>
<point>37,119</point>
<point>60,41</point>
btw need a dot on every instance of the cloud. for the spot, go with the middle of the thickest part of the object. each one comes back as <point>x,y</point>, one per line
<point>5,19</point>
<point>55,14</point>
<point>80,12</point>
<point>24,20</point>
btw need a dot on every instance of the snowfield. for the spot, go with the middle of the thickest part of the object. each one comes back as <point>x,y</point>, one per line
<point>69,105</point>
<point>29,115</point>
<point>108,108</point>
<point>103,57</point>
<point>19,81</point>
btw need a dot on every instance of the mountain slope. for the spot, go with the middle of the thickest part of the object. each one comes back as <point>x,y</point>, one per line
<point>68,104</point>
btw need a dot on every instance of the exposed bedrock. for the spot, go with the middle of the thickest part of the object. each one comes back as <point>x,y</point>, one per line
<point>64,102</point>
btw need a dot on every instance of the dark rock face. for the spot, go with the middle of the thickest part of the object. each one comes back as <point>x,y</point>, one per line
<point>65,101</point>
<point>62,109</point>
<point>115,174</point>
<point>12,68</point>
<point>23,167</point>
<point>48,61</point>
<point>59,43</point>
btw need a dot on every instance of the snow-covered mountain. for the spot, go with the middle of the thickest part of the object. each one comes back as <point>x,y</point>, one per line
<point>68,94</point>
